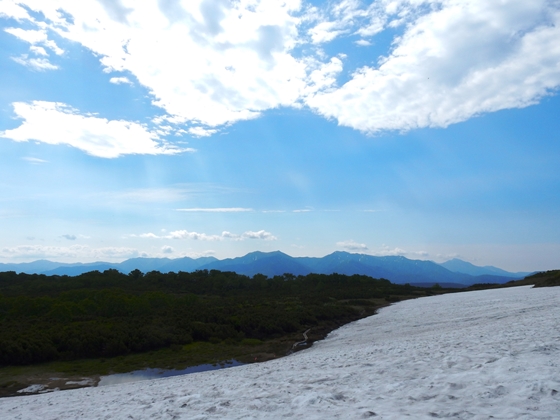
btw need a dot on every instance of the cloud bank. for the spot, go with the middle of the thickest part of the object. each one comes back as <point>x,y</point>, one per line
<point>74,252</point>
<point>210,63</point>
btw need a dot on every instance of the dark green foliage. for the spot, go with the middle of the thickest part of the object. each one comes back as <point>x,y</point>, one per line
<point>546,278</point>
<point>45,318</point>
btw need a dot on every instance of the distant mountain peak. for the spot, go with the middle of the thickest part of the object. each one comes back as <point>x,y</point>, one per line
<point>397,269</point>
<point>459,266</point>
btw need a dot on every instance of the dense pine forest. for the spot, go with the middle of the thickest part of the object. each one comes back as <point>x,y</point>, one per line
<point>48,318</point>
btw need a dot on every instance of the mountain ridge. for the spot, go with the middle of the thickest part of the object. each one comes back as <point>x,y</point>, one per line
<point>459,266</point>
<point>397,269</point>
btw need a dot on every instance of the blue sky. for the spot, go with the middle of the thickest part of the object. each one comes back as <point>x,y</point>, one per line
<point>427,129</point>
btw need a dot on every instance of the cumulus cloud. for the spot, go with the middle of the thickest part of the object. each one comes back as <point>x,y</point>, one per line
<point>387,251</point>
<point>57,123</point>
<point>352,245</point>
<point>211,63</point>
<point>261,234</point>
<point>120,80</point>
<point>438,73</point>
<point>38,40</point>
<point>363,43</point>
<point>10,9</point>
<point>167,249</point>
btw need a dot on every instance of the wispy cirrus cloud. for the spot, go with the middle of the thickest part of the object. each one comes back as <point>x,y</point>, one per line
<point>217,210</point>
<point>37,64</point>
<point>34,160</point>
<point>225,235</point>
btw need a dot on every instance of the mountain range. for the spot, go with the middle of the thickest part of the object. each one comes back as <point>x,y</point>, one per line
<point>453,273</point>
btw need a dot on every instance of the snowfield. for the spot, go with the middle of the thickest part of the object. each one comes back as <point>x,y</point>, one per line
<point>476,355</point>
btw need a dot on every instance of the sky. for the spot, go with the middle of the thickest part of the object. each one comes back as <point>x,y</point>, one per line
<point>167,128</point>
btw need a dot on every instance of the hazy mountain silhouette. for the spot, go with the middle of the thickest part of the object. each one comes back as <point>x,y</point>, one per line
<point>394,268</point>
<point>459,266</point>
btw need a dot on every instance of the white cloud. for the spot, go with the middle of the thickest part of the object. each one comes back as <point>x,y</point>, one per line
<point>208,64</point>
<point>10,9</point>
<point>229,235</point>
<point>324,76</point>
<point>39,41</point>
<point>57,123</point>
<point>70,237</point>
<point>185,234</point>
<point>120,80</point>
<point>35,38</point>
<point>438,73</point>
<point>352,245</point>
<point>38,50</point>
<point>147,235</point>
<point>207,253</point>
<point>363,43</point>
<point>74,252</point>
<point>38,64</point>
<point>167,249</point>
<point>387,251</point>
<point>33,160</point>
<point>390,252</point>
<point>261,234</point>
<point>201,132</point>
<point>325,32</point>
<point>211,62</point>
<point>218,210</point>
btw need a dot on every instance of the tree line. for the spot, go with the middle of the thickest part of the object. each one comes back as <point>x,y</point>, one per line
<point>106,314</point>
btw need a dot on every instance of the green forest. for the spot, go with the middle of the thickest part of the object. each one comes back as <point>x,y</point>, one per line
<point>108,314</point>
